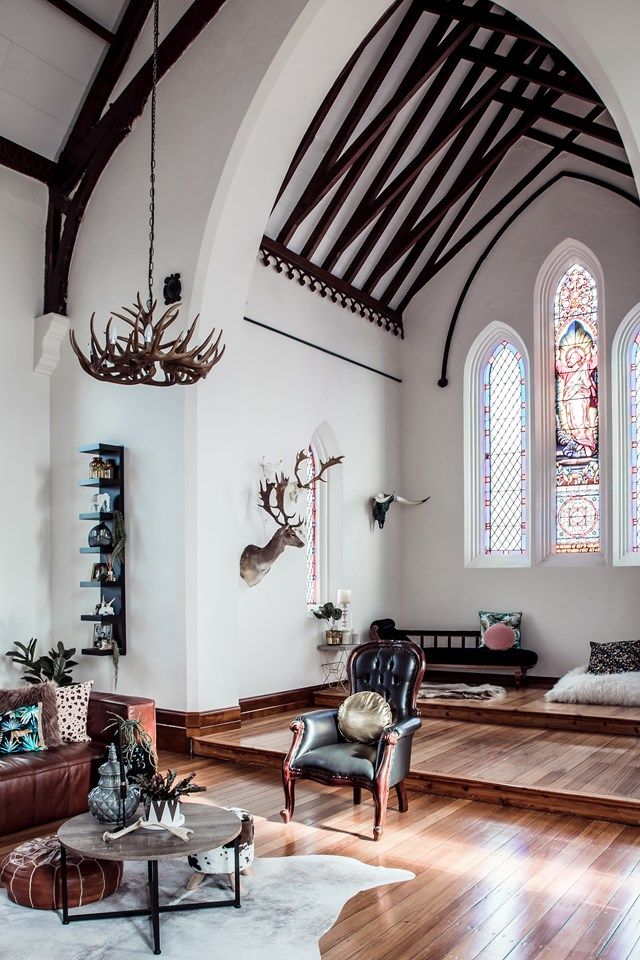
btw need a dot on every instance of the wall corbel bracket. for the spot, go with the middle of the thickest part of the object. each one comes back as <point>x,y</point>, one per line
<point>50,330</point>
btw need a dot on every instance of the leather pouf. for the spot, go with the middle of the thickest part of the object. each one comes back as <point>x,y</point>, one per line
<point>32,876</point>
<point>221,860</point>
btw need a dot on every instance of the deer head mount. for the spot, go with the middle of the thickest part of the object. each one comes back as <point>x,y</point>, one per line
<point>255,562</point>
<point>144,356</point>
<point>382,501</point>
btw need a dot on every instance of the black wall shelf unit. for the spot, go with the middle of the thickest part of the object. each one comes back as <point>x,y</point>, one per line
<point>108,589</point>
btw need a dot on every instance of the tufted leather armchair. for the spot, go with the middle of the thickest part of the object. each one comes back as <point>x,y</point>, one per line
<point>320,752</point>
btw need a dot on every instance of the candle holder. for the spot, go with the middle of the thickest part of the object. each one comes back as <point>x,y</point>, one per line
<point>344,602</point>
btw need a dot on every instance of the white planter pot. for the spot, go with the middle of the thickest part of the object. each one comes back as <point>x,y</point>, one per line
<point>164,813</point>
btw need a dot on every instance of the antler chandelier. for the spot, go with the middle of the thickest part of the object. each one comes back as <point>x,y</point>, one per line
<point>143,356</point>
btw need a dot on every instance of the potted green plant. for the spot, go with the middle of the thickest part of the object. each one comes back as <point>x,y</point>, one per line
<point>56,666</point>
<point>331,614</point>
<point>161,795</point>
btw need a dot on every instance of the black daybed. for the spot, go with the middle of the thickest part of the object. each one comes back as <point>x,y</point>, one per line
<point>459,648</point>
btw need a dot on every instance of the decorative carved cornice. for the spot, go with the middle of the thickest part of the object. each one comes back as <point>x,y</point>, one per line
<point>307,274</point>
<point>50,330</point>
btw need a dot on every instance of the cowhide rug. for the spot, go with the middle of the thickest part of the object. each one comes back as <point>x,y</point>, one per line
<point>288,903</point>
<point>461,691</point>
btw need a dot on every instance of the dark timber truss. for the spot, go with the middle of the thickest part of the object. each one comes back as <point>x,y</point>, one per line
<point>430,117</point>
<point>99,128</point>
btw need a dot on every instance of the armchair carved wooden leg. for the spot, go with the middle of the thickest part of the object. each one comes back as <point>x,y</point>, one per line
<point>381,782</point>
<point>401,791</point>
<point>288,775</point>
<point>357,796</point>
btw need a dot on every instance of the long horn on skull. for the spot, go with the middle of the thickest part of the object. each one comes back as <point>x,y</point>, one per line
<point>404,500</point>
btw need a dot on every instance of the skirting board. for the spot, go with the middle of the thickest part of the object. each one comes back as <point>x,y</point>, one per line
<point>175,728</point>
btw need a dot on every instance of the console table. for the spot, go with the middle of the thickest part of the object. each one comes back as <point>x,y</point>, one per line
<point>334,669</point>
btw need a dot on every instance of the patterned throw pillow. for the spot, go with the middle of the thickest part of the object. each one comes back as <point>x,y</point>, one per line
<point>73,707</point>
<point>621,657</point>
<point>21,730</point>
<point>512,620</point>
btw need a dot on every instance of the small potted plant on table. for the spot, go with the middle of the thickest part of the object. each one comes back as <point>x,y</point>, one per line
<point>330,613</point>
<point>161,795</point>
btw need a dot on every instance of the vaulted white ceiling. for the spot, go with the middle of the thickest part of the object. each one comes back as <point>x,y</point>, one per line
<point>47,62</point>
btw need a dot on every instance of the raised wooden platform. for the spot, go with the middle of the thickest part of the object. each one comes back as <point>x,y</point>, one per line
<point>525,708</point>
<point>523,762</point>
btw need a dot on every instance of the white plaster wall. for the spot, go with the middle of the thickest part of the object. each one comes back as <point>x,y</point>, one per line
<point>563,608</point>
<point>24,422</point>
<point>287,390</point>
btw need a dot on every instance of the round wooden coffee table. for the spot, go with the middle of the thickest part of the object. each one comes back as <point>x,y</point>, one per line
<point>212,827</point>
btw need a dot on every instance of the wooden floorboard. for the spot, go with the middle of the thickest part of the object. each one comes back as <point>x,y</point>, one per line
<point>574,772</point>
<point>490,883</point>
<point>527,708</point>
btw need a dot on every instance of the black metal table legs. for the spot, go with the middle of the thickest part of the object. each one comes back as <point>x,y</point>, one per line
<point>155,907</point>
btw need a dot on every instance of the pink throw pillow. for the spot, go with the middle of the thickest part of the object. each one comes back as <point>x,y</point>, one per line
<point>499,637</point>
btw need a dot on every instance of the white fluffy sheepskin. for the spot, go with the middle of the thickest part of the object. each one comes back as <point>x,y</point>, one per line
<point>610,689</point>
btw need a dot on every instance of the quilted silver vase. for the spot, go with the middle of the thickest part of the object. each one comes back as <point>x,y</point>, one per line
<point>104,799</point>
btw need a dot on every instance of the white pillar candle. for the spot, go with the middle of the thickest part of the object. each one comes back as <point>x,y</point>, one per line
<point>344,596</point>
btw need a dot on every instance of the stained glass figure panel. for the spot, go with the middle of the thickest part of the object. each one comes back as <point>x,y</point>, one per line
<point>576,409</point>
<point>634,396</point>
<point>311,526</point>
<point>505,452</point>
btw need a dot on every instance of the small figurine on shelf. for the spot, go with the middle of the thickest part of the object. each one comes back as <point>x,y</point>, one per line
<point>105,608</point>
<point>100,469</point>
<point>100,502</point>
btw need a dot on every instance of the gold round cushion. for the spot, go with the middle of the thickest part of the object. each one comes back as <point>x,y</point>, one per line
<point>363,716</point>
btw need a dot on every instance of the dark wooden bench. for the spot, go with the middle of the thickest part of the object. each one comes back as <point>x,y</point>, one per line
<point>459,648</point>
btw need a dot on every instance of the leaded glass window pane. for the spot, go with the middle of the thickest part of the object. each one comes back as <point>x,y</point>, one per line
<point>634,396</point>
<point>312,532</point>
<point>576,405</point>
<point>505,452</point>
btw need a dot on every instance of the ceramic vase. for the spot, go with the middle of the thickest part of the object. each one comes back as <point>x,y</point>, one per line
<point>163,813</point>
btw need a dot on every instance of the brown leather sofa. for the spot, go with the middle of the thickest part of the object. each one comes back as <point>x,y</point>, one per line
<point>48,785</point>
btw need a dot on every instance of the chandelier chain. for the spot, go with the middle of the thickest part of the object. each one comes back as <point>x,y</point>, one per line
<point>152,164</point>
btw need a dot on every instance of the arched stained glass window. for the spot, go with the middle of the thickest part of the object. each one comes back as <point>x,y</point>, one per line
<point>625,369</point>
<point>577,454</point>
<point>312,532</point>
<point>505,452</point>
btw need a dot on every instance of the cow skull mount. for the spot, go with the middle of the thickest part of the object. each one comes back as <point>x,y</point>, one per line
<point>382,502</point>
<point>255,562</point>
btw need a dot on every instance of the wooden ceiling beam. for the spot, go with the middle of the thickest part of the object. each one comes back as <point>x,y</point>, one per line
<point>522,49</point>
<point>507,23</point>
<point>571,86</point>
<point>23,160</point>
<point>433,266</point>
<point>471,173</point>
<point>83,19</point>
<point>335,89</point>
<point>112,130</point>
<point>354,116</point>
<point>599,131</point>
<point>585,153</point>
<point>456,117</point>
<point>424,66</point>
<point>72,162</point>
<point>393,159</point>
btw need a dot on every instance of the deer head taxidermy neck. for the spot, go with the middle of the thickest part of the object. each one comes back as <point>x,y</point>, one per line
<point>255,562</point>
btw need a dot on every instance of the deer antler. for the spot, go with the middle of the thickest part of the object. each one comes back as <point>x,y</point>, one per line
<point>142,356</point>
<point>277,511</point>
<point>303,455</point>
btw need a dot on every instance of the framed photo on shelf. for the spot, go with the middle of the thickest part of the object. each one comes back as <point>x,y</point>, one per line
<point>102,636</point>
<point>99,571</point>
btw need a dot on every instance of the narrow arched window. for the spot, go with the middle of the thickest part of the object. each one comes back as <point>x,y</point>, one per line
<point>626,439</point>
<point>577,432</point>
<point>496,450</point>
<point>505,452</point>
<point>312,532</point>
